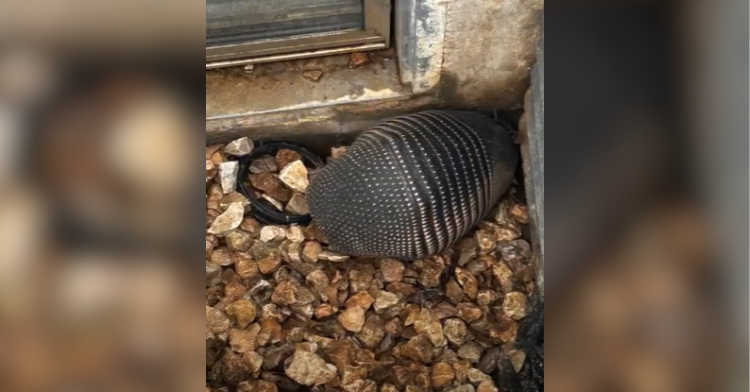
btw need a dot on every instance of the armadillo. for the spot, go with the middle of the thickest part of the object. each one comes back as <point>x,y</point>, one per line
<point>413,185</point>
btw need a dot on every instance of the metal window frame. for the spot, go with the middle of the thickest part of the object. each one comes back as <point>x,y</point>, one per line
<point>376,35</point>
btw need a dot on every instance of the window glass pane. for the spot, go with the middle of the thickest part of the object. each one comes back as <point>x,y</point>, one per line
<point>239,21</point>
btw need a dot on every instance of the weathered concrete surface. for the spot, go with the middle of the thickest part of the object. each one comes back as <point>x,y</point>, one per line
<point>284,86</point>
<point>490,47</point>
<point>279,101</point>
<point>318,127</point>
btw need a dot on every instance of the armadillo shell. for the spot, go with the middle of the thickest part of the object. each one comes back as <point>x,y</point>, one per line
<point>413,185</point>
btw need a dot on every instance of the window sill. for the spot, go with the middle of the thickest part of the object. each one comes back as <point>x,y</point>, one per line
<point>276,99</point>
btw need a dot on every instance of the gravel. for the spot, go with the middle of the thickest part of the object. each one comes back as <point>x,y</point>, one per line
<point>283,313</point>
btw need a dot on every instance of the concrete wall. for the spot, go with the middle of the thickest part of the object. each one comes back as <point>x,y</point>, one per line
<point>490,47</point>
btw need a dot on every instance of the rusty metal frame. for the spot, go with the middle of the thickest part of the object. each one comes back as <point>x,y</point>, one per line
<point>376,35</point>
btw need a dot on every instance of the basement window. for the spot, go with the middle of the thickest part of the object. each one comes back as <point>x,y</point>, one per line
<point>240,32</point>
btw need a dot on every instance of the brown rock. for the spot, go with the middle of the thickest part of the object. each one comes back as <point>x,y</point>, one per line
<point>358,60</point>
<point>295,176</point>
<point>242,312</point>
<point>442,375</point>
<point>485,240</point>
<point>504,276</point>
<point>515,305</point>
<point>353,319</point>
<point>468,282</point>
<point>270,185</point>
<point>429,325</point>
<point>487,386</point>
<point>469,313</point>
<point>361,277</point>
<point>392,270</point>
<point>311,252</point>
<point>456,332</point>
<point>216,321</point>
<point>264,164</point>
<point>244,340</point>
<point>373,332</point>
<point>385,300</point>
<point>292,293</point>
<point>268,256</point>
<point>320,282</point>
<point>297,205</point>
<point>257,386</point>
<point>471,352</point>
<point>239,241</point>
<point>362,299</point>
<point>308,369</point>
<point>419,348</point>
<point>313,75</point>
<point>325,311</point>
<point>431,272</point>
<point>285,157</point>
<point>476,376</point>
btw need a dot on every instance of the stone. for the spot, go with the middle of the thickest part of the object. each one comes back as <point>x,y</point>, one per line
<point>256,386</point>
<point>442,375</point>
<point>487,386</point>
<point>464,388</point>
<point>240,147</point>
<point>264,164</point>
<point>373,332</point>
<point>320,282</point>
<point>518,359</point>
<point>292,293</point>
<point>504,275</point>
<point>311,252</point>
<point>333,257</point>
<point>275,203</point>
<point>285,157</point>
<point>392,270</point>
<point>298,205</point>
<point>244,340</point>
<point>429,325</point>
<point>468,282</point>
<point>456,332</point>
<point>272,233</point>
<point>353,319</point>
<point>242,312</point>
<point>519,213</point>
<point>485,240</point>
<point>271,186</point>
<point>238,240</point>
<point>471,352</point>
<point>419,348</point>
<point>217,321</point>
<point>313,75</point>
<point>295,176</point>
<point>358,59</point>
<point>431,272</point>
<point>515,306</point>
<point>362,299</point>
<point>295,234</point>
<point>228,172</point>
<point>308,369</point>
<point>476,376</point>
<point>385,300</point>
<point>228,221</point>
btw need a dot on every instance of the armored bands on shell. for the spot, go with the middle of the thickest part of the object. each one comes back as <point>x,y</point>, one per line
<point>413,185</point>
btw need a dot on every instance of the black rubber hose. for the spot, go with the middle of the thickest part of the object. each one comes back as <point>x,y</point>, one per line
<point>260,211</point>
